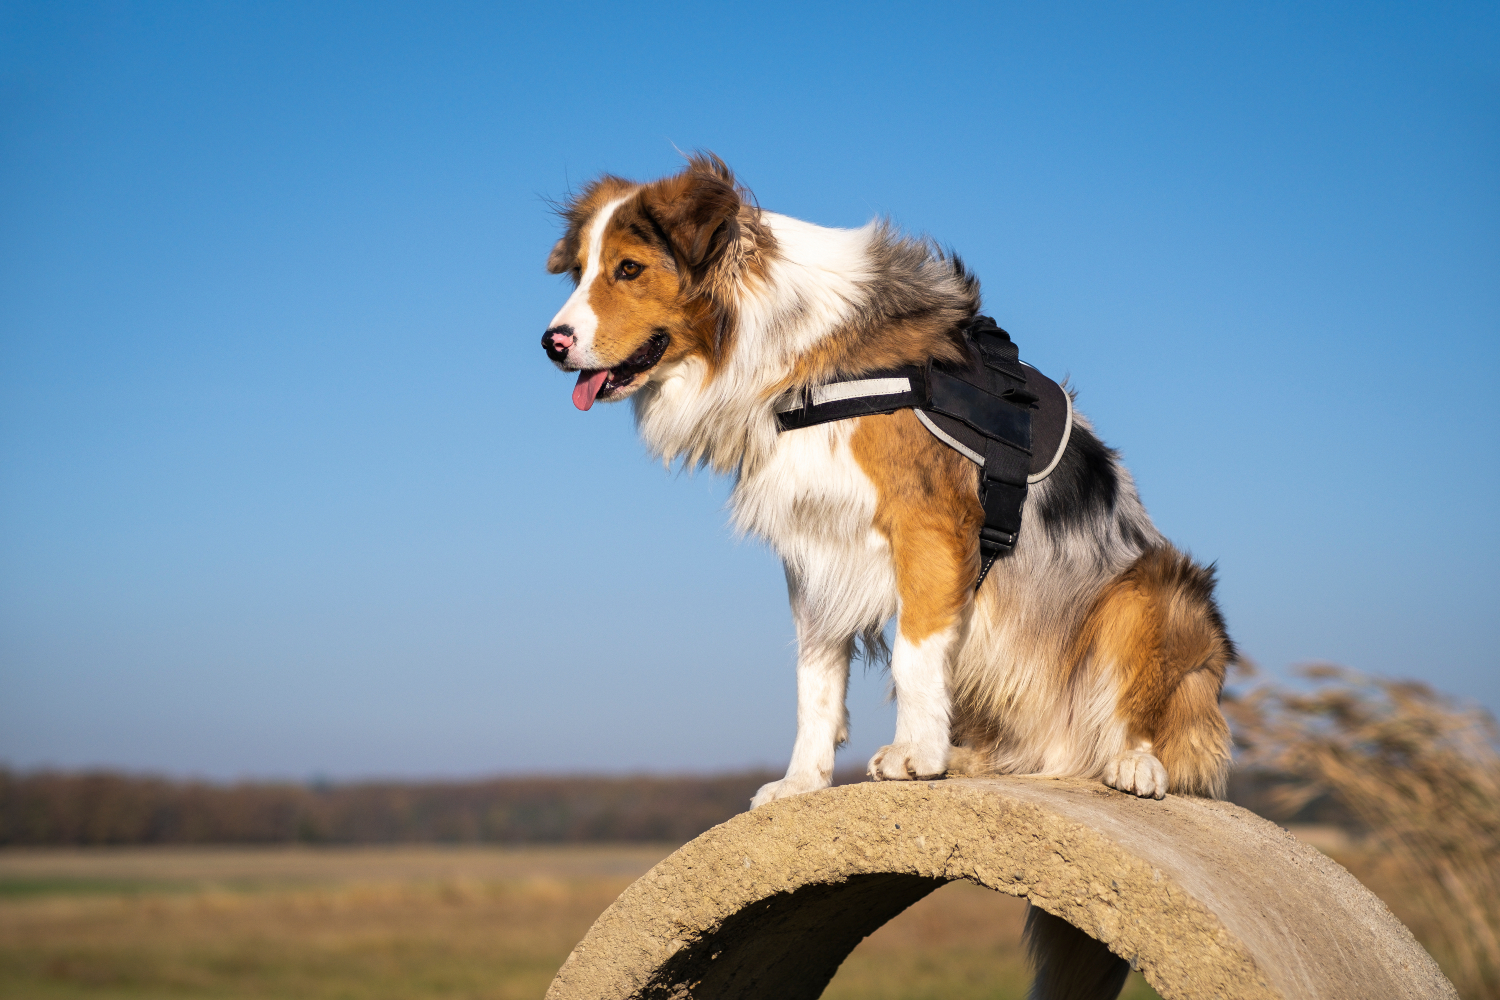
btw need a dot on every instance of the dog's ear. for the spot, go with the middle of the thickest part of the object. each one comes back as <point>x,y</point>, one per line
<point>698,211</point>
<point>562,257</point>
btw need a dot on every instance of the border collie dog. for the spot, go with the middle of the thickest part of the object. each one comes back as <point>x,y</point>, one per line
<point>1094,648</point>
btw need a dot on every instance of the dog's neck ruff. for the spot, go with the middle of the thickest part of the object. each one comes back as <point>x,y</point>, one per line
<point>812,284</point>
<point>998,412</point>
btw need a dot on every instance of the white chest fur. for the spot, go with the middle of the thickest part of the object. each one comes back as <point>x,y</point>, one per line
<point>814,504</point>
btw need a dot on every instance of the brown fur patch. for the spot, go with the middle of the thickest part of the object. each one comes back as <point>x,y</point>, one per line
<point>1193,738</point>
<point>698,233</point>
<point>1157,625</point>
<point>928,510</point>
<point>631,310</point>
<point>567,253</point>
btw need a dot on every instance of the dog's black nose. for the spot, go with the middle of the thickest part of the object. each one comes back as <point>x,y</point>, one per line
<point>557,341</point>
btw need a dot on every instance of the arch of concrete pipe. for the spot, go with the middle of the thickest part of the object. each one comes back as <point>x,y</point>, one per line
<point>1206,899</point>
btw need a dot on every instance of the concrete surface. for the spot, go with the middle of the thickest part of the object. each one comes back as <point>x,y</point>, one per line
<point>1205,898</point>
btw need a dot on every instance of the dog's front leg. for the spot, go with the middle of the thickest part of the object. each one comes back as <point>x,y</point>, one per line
<point>919,671</point>
<point>930,515</point>
<point>822,719</point>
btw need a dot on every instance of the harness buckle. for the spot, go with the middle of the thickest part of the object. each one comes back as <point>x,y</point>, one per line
<point>997,536</point>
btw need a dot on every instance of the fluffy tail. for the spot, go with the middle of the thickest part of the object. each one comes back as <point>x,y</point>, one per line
<point>1069,964</point>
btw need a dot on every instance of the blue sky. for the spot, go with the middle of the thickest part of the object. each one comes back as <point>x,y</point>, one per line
<point>282,462</point>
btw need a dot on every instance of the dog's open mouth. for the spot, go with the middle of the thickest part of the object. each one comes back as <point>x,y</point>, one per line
<point>601,382</point>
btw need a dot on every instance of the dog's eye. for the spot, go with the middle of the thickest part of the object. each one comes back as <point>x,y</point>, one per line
<point>628,270</point>
<point>577,273</point>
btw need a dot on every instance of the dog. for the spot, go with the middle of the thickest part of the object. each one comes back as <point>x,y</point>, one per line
<point>1093,649</point>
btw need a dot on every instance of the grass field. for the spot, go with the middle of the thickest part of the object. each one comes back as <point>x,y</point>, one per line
<point>408,923</point>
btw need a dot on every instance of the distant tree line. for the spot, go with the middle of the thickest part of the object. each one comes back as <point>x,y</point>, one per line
<point>96,808</point>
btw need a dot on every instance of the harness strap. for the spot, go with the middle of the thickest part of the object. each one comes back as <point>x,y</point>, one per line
<point>989,396</point>
<point>1003,494</point>
<point>879,392</point>
<point>996,347</point>
<point>994,401</point>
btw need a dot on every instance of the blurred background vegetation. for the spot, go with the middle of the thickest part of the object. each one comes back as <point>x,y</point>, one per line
<point>115,886</point>
<point>1414,781</point>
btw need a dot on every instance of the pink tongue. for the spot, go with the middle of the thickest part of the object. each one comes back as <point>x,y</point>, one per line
<point>589,384</point>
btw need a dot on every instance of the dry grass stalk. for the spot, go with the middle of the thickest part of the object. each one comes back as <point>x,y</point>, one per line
<point>1419,774</point>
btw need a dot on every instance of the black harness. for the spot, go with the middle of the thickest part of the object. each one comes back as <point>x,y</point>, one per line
<point>997,411</point>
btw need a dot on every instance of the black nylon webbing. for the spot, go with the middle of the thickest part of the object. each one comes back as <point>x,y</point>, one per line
<point>992,399</point>
<point>995,345</point>
<point>989,395</point>
<point>809,413</point>
<point>993,416</point>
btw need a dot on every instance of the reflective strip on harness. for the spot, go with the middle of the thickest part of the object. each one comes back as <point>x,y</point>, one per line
<point>949,439</point>
<point>998,412</point>
<point>883,392</point>
<point>874,387</point>
<point>864,387</point>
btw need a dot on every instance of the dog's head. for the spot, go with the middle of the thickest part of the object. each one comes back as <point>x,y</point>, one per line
<point>649,265</point>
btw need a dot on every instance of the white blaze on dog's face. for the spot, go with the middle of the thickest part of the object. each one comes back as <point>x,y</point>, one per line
<point>577,314</point>
<point>634,252</point>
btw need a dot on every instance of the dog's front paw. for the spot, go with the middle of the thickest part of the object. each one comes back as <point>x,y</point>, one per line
<point>792,784</point>
<point>1137,772</point>
<point>908,762</point>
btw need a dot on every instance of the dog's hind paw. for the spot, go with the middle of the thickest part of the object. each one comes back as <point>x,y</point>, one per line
<point>1137,772</point>
<point>787,787</point>
<point>908,762</point>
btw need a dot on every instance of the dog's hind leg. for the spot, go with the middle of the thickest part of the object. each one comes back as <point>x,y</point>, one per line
<point>822,718</point>
<point>929,514</point>
<point>1192,737</point>
<point>1158,626</point>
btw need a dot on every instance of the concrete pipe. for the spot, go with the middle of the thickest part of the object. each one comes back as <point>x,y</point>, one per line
<point>1205,898</point>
